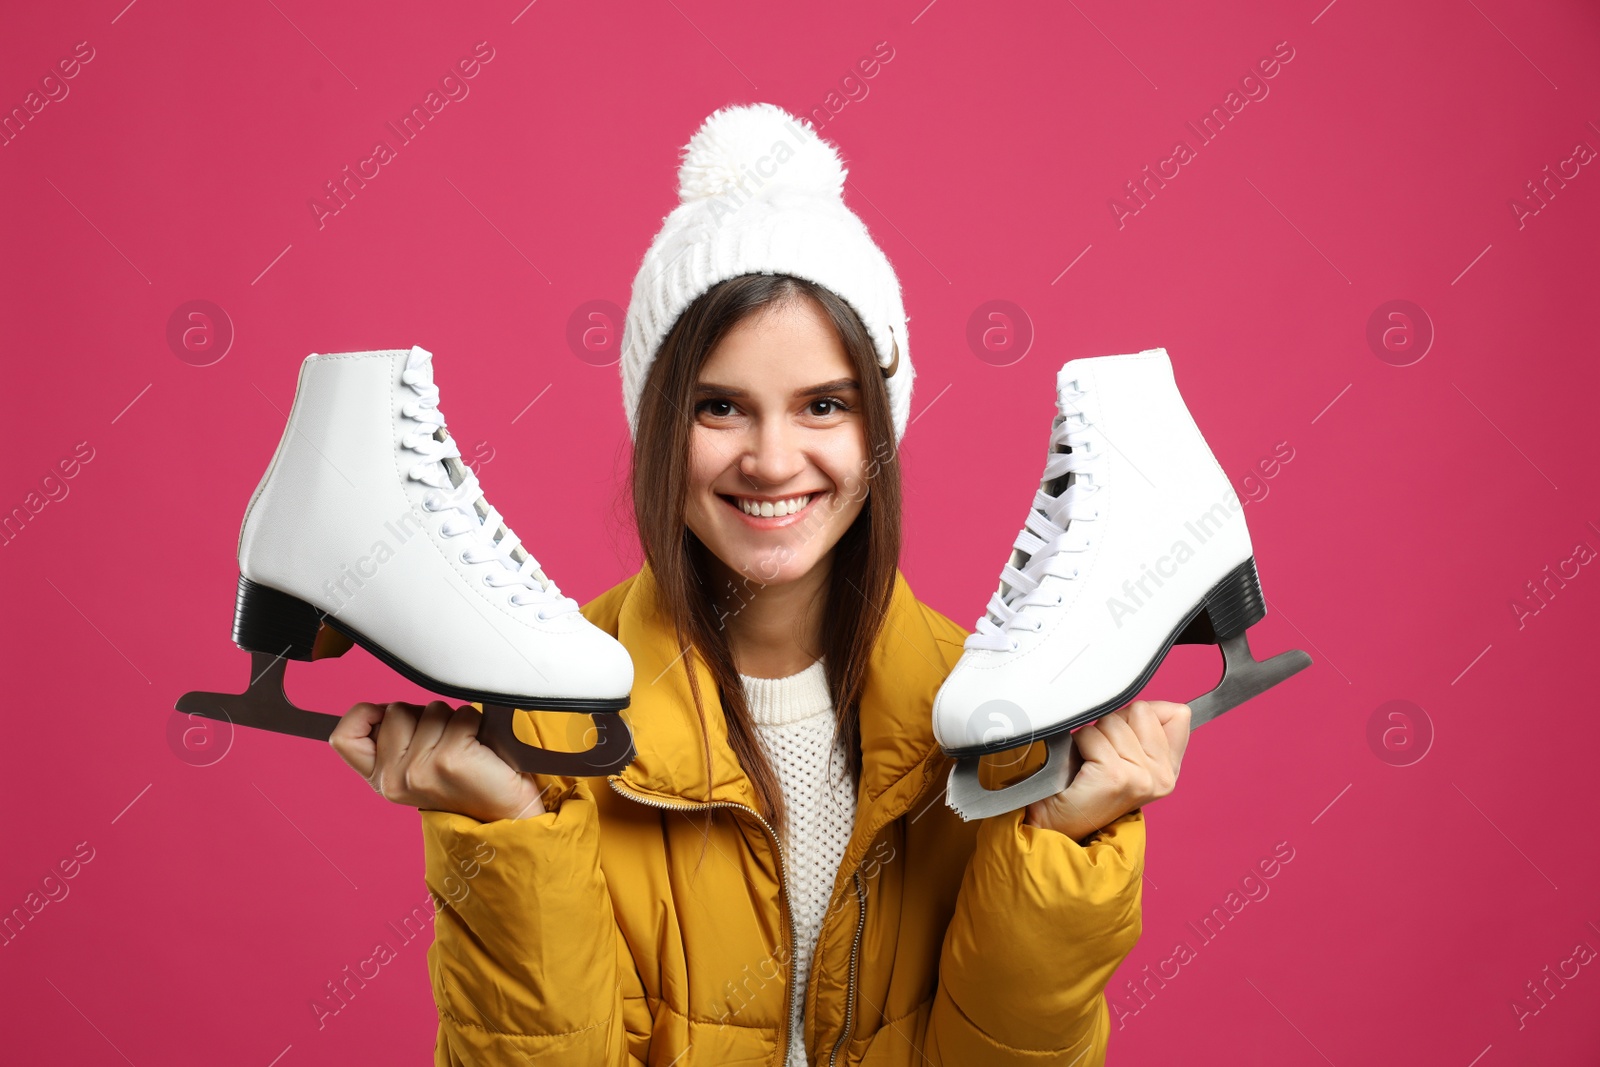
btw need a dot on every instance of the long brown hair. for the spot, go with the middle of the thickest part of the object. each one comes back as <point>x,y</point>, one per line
<point>864,560</point>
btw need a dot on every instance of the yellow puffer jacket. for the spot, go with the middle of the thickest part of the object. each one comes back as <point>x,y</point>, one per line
<point>642,920</point>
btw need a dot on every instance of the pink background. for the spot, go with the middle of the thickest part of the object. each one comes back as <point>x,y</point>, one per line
<point>1419,500</point>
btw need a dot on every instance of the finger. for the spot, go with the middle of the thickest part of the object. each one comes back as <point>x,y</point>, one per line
<point>430,728</point>
<point>1175,723</point>
<point>1093,745</point>
<point>399,723</point>
<point>352,737</point>
<point>1146,725</point>
<point>463,725</point>
<point>1123,739</point>
<point>464,756</point>
<point>462,739</point>
<point>1047,812</point>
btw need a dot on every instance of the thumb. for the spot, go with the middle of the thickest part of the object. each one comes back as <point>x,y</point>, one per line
<point>1174,719</point>
<point>353,737</point>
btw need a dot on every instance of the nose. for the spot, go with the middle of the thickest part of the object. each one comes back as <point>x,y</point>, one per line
<point>771,456</point>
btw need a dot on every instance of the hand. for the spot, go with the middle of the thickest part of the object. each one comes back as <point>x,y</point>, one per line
<point>430,758</point>
<point>1130,758</point>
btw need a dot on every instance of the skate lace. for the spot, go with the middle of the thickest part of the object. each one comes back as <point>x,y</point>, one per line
<point>1053,535</point>
<point>454,487</point>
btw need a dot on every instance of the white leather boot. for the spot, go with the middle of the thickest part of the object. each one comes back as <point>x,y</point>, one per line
<point>368,528</point>
<point>1135,541</point>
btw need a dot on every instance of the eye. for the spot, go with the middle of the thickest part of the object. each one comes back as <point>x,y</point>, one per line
<point>832,403</point>
<point>703,408</point>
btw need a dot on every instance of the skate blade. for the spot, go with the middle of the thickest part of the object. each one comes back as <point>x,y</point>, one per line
<point>969,799</point>
<point>265,706</point>
<point>1243,677</point>
<point>612,751</point>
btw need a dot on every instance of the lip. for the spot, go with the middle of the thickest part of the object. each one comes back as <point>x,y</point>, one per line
<point>775,522</point>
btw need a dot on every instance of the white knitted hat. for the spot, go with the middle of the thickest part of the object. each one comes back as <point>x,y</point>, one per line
<point>761,193</point>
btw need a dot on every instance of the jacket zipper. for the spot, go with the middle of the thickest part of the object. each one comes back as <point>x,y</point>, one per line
<point>855,955</point>
<point>783,893</point>
<point>855,946</point>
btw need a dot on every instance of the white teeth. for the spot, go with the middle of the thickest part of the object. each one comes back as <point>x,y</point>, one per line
<point>767,509</point>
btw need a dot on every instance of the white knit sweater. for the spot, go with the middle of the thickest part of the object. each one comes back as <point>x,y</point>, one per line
<point>795,722</point>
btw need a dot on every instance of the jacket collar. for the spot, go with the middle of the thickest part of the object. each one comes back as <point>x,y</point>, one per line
<point>899,752</point>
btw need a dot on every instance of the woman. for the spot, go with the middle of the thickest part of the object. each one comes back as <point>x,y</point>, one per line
<point>775,879</point>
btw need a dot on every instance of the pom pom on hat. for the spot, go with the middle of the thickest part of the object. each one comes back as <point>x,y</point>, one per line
<point>761,193</point>
<point>763,147</point>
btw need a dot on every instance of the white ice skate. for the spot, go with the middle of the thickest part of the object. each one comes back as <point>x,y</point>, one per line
<point>368,529</point>
<point>1134,542</point>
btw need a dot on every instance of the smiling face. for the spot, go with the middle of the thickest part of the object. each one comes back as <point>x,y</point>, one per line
<point>778,447</point>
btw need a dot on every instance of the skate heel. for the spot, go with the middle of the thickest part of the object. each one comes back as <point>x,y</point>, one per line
<point>274,628</point>
<point>1231,607</point>
<point>265,620</point>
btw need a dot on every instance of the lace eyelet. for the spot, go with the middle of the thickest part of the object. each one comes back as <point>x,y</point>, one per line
<point>1014,645</point>
<point>541,616</point>
<point>487,582</point>
<point>1059,596</point>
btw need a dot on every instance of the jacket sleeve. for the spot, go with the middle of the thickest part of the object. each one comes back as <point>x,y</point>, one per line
<point>527,963</point>
<point>1040,925</point>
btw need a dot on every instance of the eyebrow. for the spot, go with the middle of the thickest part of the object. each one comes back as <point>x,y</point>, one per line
<point>838,386</point>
